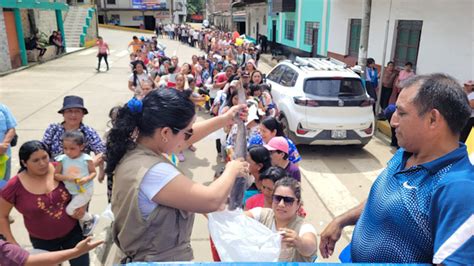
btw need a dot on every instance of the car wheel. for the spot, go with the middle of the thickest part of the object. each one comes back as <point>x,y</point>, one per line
<point>286,127</point>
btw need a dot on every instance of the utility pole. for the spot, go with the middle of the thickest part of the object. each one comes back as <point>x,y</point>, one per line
<point>383,63</point>
<point>364,36</point>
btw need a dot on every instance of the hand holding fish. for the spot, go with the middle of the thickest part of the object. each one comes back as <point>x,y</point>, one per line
<point>238,166</point>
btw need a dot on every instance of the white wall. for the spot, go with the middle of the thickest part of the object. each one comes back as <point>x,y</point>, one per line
<point>118,4</point>
<point>126,17</point>
<point>256,13</point>
<point>447,39</point>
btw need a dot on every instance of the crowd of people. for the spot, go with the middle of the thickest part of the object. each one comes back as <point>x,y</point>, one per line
<point>427,181</point>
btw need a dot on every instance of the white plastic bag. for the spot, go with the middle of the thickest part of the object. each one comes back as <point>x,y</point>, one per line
<point>102,251</point>
<point>239,238</point>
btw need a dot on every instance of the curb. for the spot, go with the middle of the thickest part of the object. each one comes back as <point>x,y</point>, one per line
<point>113,27</point>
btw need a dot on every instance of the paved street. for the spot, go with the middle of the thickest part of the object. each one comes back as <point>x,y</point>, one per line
<point>335,178</point>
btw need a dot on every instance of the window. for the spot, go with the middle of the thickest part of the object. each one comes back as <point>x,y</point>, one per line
<point>408,42</point>
<point>288,79</point>
<point>354,37</point>
<point>276,74</point>
<point>110,2</point>
<point>308,32</point>
<point>289,29</point>
<point>264,19</point>
<point>328,87</point>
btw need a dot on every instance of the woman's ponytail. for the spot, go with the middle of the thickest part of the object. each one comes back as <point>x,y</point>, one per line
<point>121,137</point>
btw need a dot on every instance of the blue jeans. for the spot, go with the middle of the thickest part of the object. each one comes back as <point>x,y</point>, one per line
<point>66,242</point>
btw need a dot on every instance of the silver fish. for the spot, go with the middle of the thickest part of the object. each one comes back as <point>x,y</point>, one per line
<point>240,151</point>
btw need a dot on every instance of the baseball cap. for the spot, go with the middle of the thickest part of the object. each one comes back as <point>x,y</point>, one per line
<point>278,144</point>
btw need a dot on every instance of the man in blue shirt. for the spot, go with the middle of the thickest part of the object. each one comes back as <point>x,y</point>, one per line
<point>420,209</point>
<point>7,132</point>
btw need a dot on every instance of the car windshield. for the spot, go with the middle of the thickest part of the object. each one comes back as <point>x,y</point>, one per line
<point>334,87</point>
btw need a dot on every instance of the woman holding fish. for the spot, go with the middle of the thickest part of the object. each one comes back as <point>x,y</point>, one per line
<point>153,202</point>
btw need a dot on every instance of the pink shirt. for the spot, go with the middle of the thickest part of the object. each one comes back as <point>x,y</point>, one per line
<point>404,75</point>
<point>103,47</point>
<point>45,214</point>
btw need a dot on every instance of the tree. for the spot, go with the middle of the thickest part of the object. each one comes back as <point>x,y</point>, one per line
<point>195,6</point>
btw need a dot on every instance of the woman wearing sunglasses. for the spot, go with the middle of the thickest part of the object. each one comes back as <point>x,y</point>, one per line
<point>152,201</point>
<point>299,241</point>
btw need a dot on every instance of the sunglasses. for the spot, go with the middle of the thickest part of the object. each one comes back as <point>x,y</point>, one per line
<point>187,134</point>
<point>287,200</point>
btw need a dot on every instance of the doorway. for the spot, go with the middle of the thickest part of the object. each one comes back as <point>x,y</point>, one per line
<point>150,23</point>
<point>274,31</point>
<point>258,31</point>
<point>314,47</point>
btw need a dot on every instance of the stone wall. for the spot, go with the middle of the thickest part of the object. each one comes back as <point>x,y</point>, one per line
<point>25,23</point>
<point>4,52</point>
<point>46,21</point>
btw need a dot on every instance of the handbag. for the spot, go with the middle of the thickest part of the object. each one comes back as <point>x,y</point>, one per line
<point>14,141</point>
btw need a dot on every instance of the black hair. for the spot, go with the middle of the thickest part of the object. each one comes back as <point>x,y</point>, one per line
<point>113,115</point>
<point>443,93</point>
<point>75,136</point>
<point>253,88</point>
<point>260,155</point>
<point>409,64</point>
<point>285,155</point>
<point>228,66</point>
<point>134,37</point>
<point>274,173</point>
<point>265,86</point>
<point>370,61</point>
<point>29,148</point>
<point>171,69</point>
<point>390,62</point>
<point>229,98</point>
<point>161,108</point>
<point>273,124</point>
<point>290,182</point>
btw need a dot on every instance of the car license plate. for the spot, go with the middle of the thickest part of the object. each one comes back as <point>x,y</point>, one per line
<point>338,134</point>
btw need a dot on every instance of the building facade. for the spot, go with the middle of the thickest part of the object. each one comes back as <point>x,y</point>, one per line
<point>256,18</point>
<point>141,13</point>
<point>435,35</point>
<point>299,27</point>
<point>218,13</point>
<point>20,20</point>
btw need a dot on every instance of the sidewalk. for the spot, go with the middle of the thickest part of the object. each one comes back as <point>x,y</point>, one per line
<point>69,50</point>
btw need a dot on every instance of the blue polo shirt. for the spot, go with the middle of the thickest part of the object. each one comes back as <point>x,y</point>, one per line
<point>423,214</point>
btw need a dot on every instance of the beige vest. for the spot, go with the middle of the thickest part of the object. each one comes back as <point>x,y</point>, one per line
<point>165,234</point>
<point>267,217</point>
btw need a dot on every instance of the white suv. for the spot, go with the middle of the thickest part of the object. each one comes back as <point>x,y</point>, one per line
<point>322,102</point>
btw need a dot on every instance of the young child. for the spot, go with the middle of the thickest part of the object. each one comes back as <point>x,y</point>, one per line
<point>77,171</point>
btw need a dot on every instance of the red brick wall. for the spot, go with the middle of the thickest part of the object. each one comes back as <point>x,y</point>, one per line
<point>349,60</point>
